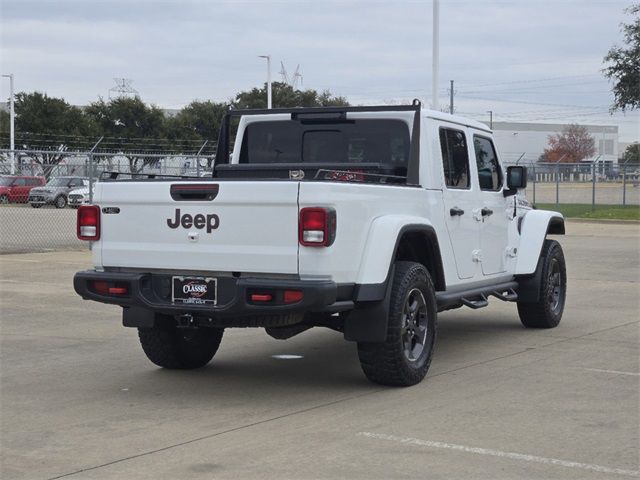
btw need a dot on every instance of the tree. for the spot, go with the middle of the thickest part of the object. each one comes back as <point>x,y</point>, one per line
<point>4,123</point>
<point>131,126</point>
<point>285,96</point>
<point>572,145</point>
<point>49,127</point>
<point>198,121</point>
<point>624,65</point>
<point>632,154</point>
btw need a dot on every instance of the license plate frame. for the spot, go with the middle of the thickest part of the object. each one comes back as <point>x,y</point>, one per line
<point>203,290</point>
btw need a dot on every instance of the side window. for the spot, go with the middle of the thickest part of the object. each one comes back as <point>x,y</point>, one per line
<point>489,171</point>
<point>455,158</point>
<point>19,182</point>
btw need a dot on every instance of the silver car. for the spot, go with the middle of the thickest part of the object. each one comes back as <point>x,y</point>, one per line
<point>56,191</point>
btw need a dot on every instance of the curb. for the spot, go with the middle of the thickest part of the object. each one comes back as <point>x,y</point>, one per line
<point>610,221</point>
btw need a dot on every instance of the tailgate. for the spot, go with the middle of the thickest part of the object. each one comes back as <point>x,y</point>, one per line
<point>245,227</point>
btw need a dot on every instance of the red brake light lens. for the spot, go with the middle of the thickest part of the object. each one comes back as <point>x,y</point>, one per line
<point>88,225</point>
<point>317,227</point>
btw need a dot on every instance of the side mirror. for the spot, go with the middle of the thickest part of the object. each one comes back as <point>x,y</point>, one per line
<point>516,177</point>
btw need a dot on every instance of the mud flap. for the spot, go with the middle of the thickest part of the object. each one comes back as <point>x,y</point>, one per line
<point>529,285</point>
<point>137,317</point>
<point>369,320</point>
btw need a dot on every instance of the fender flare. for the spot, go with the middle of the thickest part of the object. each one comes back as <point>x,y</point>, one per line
<point>534,228</point>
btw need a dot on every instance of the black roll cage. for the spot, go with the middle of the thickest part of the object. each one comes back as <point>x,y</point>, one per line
<point>222,153</point>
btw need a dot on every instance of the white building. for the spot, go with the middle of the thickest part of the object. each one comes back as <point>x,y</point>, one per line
<point>528,140</point>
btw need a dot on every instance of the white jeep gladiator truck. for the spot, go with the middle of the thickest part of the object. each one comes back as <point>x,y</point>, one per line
<point>365,220</point>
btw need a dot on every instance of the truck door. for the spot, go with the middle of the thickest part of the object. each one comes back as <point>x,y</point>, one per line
<point>460,198</point>
<point>494,212</point>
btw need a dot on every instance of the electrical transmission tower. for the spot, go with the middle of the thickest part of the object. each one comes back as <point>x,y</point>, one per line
<point>123,88</point>
<point>293,82</point>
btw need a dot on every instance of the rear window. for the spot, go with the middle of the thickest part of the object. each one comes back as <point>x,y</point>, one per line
<point>351,142</point>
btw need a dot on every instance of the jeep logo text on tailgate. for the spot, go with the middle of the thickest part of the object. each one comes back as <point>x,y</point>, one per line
<point>198,221</point>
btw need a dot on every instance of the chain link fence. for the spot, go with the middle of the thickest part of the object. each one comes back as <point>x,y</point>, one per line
<point>40,192</point>
<point>36,220</point>
<point>586,183</point>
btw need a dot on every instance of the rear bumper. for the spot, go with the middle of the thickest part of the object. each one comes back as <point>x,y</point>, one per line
<point>152,292</point>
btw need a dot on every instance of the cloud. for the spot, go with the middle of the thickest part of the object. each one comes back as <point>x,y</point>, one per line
<point>373,51</point>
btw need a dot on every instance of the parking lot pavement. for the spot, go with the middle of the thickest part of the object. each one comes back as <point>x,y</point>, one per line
<point>80,400</point>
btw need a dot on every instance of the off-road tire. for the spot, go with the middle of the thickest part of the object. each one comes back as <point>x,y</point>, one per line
<point>176,348</point>
<point>388,362</point>
<point>4,199</point>
<point>60,202</point>
<point>547,311</point>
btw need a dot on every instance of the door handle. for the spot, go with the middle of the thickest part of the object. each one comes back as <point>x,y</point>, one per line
<point>486,212</point>
<point>455,211</point>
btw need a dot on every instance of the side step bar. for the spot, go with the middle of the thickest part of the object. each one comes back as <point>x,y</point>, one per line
<point>477,297</point>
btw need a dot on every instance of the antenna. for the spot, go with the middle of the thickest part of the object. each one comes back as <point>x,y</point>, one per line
<point>123,88</point>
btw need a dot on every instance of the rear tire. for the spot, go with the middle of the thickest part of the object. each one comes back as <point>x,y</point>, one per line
<point>36,205</point>
<point>547,311</point>
<point>176,348</point>
<point>403,359</point>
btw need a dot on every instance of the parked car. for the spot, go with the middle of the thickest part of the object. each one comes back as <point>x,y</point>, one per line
<point>16,188</point>
<point>78,197</point>
<point>56,191</point>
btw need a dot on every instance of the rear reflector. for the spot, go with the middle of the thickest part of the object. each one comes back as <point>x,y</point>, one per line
<point>292,296</point>
<point>109,288</point>
<point>317,227</point>
<point>118,290</point>
<point>260,297</point>
<point>88,222</point>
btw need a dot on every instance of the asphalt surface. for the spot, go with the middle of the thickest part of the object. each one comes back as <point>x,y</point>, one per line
<point>78,398</point>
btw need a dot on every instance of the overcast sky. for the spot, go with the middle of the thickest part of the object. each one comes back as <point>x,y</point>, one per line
<point>536,60</point>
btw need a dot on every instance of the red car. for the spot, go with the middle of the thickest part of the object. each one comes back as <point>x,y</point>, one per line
<point>16,188</point>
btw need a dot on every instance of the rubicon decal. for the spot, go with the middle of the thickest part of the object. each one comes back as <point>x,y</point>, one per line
<point>199,221</point>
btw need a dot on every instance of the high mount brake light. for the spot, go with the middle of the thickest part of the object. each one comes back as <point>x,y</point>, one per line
<point>88,224</point>
<point>317,227</point>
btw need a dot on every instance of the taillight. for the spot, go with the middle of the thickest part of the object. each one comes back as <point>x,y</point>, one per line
<point>88,222</point>
<point>317,227</point>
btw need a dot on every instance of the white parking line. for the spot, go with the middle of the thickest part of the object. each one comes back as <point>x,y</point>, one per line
<point>498,453</point>
<point>616,372</point>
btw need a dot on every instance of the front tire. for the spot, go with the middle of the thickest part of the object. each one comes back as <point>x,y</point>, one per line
<point>4,199</point>
<point>61,201</point>
<point>547,311</point>
<point>176,348</point>
<point>403,359</point>
<point>36,205</point>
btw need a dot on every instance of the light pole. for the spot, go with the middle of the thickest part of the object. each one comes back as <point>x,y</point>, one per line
<point>435,66</point>
<point>268,57</point>
<point>12,118</point>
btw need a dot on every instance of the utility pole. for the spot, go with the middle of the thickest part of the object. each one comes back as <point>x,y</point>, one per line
<point>490,112</point>
<point>451,99</point>
<point>268,57</point>
<point>12,119</point>
<point>435,54</point>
